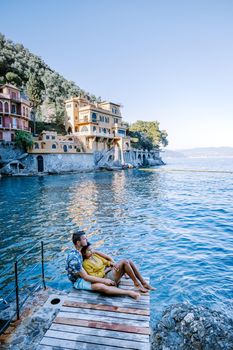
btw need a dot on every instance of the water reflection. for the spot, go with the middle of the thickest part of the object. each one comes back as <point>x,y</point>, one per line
<point>175,226</point>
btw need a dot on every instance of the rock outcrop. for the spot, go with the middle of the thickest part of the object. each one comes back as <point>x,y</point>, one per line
<point>188,327</point>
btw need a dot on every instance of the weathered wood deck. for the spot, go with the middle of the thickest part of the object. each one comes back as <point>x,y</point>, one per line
<point>92,321</point>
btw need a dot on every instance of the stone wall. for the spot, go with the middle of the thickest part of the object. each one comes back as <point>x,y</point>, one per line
<point>8,151</point>
<point>59,163</point>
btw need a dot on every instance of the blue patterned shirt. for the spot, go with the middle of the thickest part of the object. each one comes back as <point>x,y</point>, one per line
<point>74,262</point>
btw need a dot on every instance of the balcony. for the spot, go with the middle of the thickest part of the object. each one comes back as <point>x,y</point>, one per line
<point>17,99</point>
<point>94,134</point>
<point>14,128</point>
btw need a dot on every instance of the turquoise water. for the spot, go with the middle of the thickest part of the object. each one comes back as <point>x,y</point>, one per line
<point>176,226</point>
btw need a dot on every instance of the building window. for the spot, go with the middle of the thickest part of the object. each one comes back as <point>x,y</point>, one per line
<point>13,95</point>
<point>94,117</point>
<point>14,123</point>
<point>115,120</point>
<point>94,128</point>
<point>105,130</point>
<point>47,137</point>
<point>1,107</point>
<point>36,145</point>
<point>23,111</point>
<point>121,132</point>
<point>114,110</point>
<point>53,137</point>
<point>0,120</point>
<point>54,146</point>
<point>65,148</point>
<point>6,107</point>
<point>106,119</point>
<point>27,112</point>
<point>84,129</point>
<point>70,146</point>
<point>13,109</point>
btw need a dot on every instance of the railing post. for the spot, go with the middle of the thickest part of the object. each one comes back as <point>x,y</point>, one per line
<point>42,263</point>
<point>16,289</point>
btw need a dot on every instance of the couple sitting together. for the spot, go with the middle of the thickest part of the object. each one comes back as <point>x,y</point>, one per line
<point>91,270</point>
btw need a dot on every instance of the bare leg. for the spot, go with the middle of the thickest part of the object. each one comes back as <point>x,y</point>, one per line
<point>139,276</point>
<point>124,267</point>
<point>109,290</point>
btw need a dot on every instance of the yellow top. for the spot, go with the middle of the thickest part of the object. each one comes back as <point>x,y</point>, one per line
<point>96,265</point>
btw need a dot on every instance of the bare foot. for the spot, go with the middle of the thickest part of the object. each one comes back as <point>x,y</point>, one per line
<point>141,288</point>
<point>147,286</point>
<point>134,295</point>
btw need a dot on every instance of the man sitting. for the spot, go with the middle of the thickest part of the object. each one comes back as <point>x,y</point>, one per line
<point>79,277</point>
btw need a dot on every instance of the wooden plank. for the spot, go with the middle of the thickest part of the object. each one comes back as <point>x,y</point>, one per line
<point>103,325</point>
<point>128,344</point>
<point>100,332</point>
<point>74,345</point>
<point>103,319</point>
<point>128,281</point>
<point>113,297</point>
<point>110,302</point>
<point>105,313</point>
<point>106,307</point>
<point>48,347</point>
<point>104,300</point>
<point>95,296</point>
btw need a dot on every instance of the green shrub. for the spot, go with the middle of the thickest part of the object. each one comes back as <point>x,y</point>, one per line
<point>23,139</point>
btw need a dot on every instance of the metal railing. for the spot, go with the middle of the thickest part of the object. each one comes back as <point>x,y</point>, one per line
<point>18,304</point>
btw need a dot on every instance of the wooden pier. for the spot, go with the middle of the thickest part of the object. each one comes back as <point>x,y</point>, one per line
<point>92,321</point>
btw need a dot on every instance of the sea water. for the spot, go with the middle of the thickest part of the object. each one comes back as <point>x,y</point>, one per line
<point>174,222</point>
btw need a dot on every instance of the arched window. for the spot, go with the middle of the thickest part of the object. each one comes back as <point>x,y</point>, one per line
<point>23,111</point>
<point>1,107</point>
<point>54,146</point>
<point>104,130</point>
<point>6,107</point>
<point>27,112</point>
<point>84,129</point>
<point>65,148</point>
<point>36,145</point>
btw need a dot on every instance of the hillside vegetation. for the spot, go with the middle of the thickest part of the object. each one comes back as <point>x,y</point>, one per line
<point>46,88</point>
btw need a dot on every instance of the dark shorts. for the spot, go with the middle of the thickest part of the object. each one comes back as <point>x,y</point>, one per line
<point>111,275</point>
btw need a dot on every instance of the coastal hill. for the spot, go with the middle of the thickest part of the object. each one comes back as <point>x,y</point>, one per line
<point>44,86</point>
<point>205,152</point>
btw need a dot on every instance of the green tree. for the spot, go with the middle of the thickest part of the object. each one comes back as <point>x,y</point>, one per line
<point>148,134</point>
<point>23,139</point>
<point>14,79</point>
<point>35,88</point>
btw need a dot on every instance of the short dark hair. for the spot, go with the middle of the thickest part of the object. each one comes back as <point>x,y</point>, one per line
<point>84,249</point>
<point>77,235</point>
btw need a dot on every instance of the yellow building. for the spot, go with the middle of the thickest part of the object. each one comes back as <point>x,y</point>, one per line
<point>98,125</point>
<point>48,142</point>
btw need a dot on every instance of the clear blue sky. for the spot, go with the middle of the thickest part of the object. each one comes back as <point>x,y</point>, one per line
<point>165,60</point>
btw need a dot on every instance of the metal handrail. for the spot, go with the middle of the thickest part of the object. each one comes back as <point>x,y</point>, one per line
<point>16,288</point>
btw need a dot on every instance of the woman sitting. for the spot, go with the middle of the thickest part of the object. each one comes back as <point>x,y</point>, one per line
<point>101,265</point>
